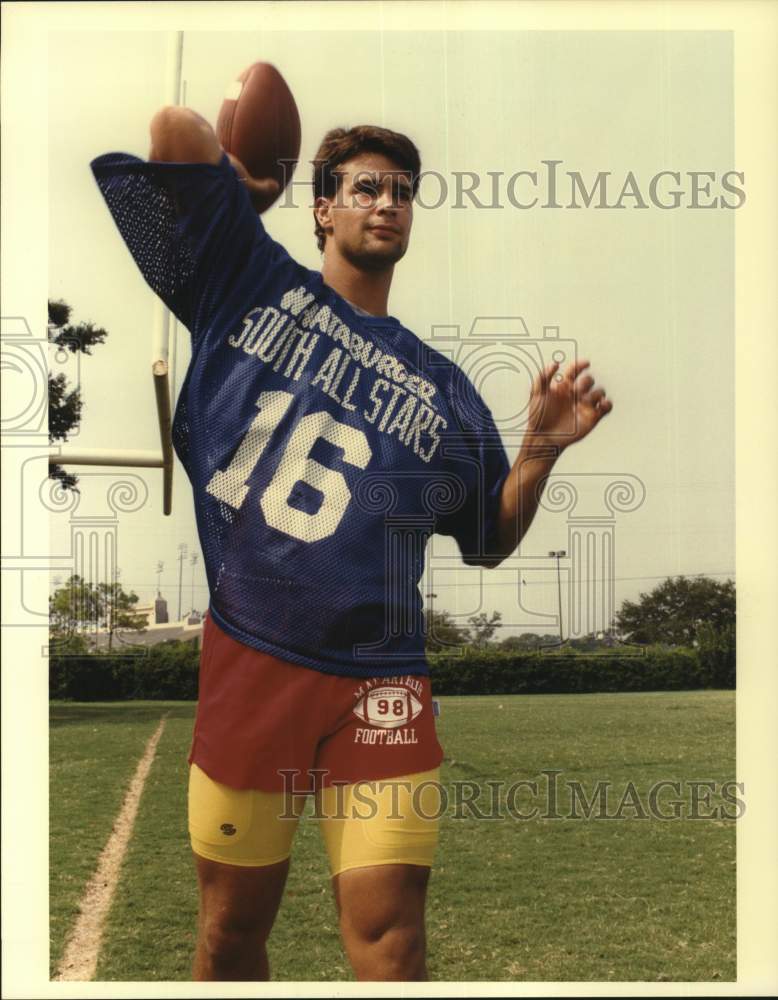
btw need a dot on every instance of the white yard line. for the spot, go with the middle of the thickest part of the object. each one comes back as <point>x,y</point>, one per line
<point>79,962</point>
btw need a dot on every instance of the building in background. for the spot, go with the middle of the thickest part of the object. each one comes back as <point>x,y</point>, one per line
<point>160,610</point>
<point>156,613</point>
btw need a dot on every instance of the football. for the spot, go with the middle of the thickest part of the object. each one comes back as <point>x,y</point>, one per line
<point>258,123</point>
<point>388,707</point>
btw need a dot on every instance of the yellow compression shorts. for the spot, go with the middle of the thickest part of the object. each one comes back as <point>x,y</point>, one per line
<point>389,821</point>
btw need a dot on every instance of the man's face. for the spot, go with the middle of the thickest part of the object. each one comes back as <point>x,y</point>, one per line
<point>369,220</point>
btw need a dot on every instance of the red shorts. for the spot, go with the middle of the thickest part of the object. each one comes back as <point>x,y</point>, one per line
<point>258,717</point>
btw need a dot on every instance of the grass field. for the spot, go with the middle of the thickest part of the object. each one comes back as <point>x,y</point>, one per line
<point>631,898</point>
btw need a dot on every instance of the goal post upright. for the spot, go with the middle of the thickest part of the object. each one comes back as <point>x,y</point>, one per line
<point>160,353</point>
<point>160,360</point>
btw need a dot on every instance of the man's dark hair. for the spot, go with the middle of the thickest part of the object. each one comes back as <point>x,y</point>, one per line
<point>340,145</point>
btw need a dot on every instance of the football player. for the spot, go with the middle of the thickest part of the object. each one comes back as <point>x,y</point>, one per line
<point>325,443</point>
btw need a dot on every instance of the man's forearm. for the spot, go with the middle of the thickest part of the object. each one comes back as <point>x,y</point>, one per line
<point>521,494</point>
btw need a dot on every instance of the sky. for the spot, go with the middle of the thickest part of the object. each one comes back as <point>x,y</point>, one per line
<point>646,294</point>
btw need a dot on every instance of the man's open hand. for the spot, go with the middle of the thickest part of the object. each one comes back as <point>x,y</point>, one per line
<point>262,191</point>
<point>563,409</point>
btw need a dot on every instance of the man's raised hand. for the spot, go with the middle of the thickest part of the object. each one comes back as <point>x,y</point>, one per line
<point>563,409</point>
<point>262,191</point>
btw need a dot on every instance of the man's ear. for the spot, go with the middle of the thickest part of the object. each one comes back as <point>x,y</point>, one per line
<point>322,209</point>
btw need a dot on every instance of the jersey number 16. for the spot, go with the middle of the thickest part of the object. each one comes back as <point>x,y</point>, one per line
<point>295,465</point>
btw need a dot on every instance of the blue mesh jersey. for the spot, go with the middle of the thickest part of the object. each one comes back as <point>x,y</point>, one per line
<point>323,447</point>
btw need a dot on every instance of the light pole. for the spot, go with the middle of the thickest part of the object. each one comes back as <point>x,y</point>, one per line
<point>428,617</point>
<point>193,562</point>
<point>181,556</point>
<point>559,554</point>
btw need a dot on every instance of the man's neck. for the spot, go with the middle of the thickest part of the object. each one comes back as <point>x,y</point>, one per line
<point>367,289</point>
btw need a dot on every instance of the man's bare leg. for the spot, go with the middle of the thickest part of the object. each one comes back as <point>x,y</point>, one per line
<point>381,910</point>
<point>237,909</point>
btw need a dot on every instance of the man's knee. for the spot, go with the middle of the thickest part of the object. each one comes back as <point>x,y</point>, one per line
<point>385,925</point>
<point>385,941</point>
<point>227,939</point>
<point>382,920</point>
<point>388,952</point>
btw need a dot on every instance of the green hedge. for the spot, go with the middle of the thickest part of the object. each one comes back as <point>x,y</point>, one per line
<point>164,672</point>
<point>566,673</point>
<point>169,671</point>
<point>717,657</point>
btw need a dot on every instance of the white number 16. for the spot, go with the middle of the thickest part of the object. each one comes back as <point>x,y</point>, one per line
<point>296,465</point>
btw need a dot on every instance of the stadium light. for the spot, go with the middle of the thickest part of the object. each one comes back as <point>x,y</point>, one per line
<point>559,554</point>
<point>193,562</point>
<point>182,551</point>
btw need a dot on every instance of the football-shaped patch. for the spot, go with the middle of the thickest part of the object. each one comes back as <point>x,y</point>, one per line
<point>388,707</point>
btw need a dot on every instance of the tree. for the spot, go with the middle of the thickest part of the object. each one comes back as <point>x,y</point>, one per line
<point>586,643</point>
<point>674,611</point>
<point>483,628</point>
<point>65,402</point>
<point>528,642</point>
<point>79,606</point>
<point>117,610</point>
<point>442,632</point>
<point>73,607</point>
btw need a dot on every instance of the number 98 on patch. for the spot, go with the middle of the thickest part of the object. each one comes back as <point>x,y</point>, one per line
<point>388,707</point>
